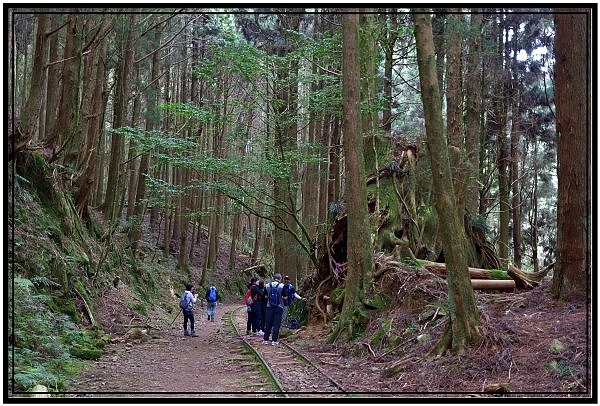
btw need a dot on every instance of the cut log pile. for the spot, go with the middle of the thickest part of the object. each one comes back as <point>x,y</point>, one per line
<point>494,279</point>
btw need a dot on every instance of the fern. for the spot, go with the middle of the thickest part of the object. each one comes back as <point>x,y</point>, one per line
<point>44,282</point>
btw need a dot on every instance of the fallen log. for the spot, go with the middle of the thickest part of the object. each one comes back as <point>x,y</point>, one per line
<point>528,280</point>
<point>476,273</point>
<point>260,269</point>
<point>493,284</point>
<point>481,279</point>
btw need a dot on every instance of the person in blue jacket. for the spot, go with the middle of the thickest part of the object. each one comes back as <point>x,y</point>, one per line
<point>290,292</point>
<point>212,297</point>
<point>274,310</point>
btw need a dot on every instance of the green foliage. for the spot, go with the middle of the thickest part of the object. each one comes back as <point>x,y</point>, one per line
<point>411,327</point>
<point>499,274</point>
<point>377,302</point>
<point>85,353</point>
<point>562,367</point>
<point>419,263</point>
<point>140,308</point>
<point>41,341</point>
<point>384,330</point>
<point>299,311</point>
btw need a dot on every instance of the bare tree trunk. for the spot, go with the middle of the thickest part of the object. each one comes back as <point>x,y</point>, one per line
<point>474,114</point>
<point>235,234</point>
<point>463,327</point>
<point>67,121</point>
<point>29,117</point>
<point>360,261</point>
<point>287,252</point>
<point>133,158</point>
<point>52,90</point>
<point>93,130</point>
<point>152,120</point>
<point>572,273</point>
<point>184,241</point>
<point>258,233</point>
<point>454,106</point>
<point>125,41</point>
<point>388,44</point>
<point>497,127</point>
<point>515,178</point>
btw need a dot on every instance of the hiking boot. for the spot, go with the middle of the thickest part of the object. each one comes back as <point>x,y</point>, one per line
<point>185,333</point>
<point>274,343</point>
<point>194,333</point>
<point>260,333</point>
<point>265,342</point>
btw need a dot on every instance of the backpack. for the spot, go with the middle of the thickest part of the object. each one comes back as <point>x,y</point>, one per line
<point>183,302</point>
<point>248,299</point>
<point>212,294</point>
<point>290,295</point>
<point>274,296</point>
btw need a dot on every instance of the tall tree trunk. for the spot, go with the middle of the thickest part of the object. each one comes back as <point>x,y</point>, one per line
<point>93,130</point>
<point>133,156</point>
<point>463,327</point>
<point>152,120</point>
<point>390,36</point>
<point>572,273</point>
<point>474,114</point>
<point>360,261</point>
<point>287,253</point>
<point>336,178</point>
<point>439,41</point>
<point>67,121</point>
<point>258,233</point>
<point>497,128</point>
<point>454,105</point>
<point>121,95</point>
<point>514,176</point>
<point>235,235</point>
<point>533,217</point>
<point>30,114</point>
<point>184,240</point>
<point>52,90</point>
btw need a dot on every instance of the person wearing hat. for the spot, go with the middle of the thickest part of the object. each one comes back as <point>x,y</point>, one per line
<point>290,292</point>
<point>274,310</point>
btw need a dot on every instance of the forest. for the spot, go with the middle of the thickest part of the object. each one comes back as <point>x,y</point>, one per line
<point>148,147</point>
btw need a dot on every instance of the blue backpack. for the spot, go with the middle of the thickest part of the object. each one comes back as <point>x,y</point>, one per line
<point>274,296</point>
<point>184,303</point>
<point>291,295</point>
<point>212,294</point>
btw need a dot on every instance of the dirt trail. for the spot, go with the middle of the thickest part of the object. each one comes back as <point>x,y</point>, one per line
<point>519,331</point>
<point>174,364</point>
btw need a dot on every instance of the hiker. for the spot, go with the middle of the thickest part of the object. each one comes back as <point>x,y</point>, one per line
<point>212,296</point>
<point>274,310</point>
<point>248,301</point>
<point>263,304</point>
<point>256,294</point>
<point>290,291</point>
<point>190,297</point>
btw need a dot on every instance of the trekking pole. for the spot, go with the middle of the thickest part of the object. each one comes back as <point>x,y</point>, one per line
<point>177,315</point>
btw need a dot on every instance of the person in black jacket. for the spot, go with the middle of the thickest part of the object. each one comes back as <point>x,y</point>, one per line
<point>256,294</point>
<point>263,304</point>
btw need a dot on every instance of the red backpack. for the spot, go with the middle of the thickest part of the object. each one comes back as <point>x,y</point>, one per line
<point>248,299</point>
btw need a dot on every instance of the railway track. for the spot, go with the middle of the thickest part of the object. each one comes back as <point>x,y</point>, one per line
<point>292,373</point>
